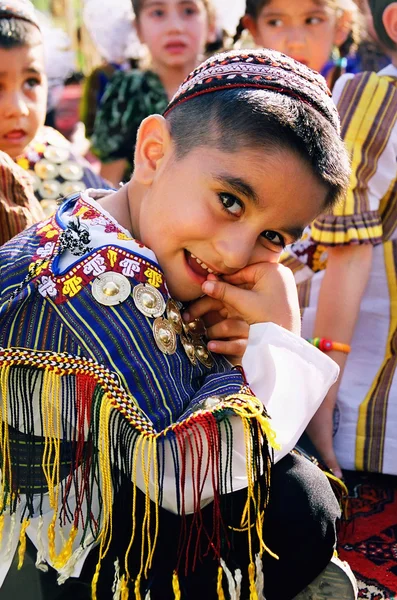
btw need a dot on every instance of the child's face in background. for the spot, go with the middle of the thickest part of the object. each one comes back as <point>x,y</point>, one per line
<point>175,31</point>
<point>23,96</point>
<point>306,30</point>
<point>216,211</point>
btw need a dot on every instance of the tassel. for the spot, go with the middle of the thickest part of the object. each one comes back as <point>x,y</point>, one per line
<point>137,588</point>
<point>124,588</point>
<point>175,586</point>
<point>230,580</point>
<point>260,581</point>
<point>251,575</point>
<point>11,535</point>
<point>219,588</point>
<point>67,570</point>
<point>2,517</point>
<point>239,580</point>
<point>147,597</point>
<point>41,563</point>
<point>22,543</point>
<point>116,581</point>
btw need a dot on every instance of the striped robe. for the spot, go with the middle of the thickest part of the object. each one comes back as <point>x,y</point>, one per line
<point>366,413</point>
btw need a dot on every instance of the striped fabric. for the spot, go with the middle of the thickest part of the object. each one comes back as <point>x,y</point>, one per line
<point>368,107</point>
<point>18,206</point>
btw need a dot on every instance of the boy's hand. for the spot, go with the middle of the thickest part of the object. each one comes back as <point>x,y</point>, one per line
<point>259,293</point>
<point>228,336</point>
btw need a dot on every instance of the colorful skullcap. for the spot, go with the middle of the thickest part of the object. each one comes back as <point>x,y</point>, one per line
<point>19,9</point>
<point>259,69</point>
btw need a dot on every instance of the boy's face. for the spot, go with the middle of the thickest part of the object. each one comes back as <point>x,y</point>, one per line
<point>23,96</point>
<point>213,211</point>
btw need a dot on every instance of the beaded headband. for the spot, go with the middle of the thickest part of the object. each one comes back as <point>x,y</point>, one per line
<point>259,69</point>
<point>19,9</point>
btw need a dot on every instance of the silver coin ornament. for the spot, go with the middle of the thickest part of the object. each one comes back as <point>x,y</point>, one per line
<point>49,206</point>
<point>196,329</point>
<point>50,189</point>
<point>164,335</point>
<point>211,402</point>
<point>56,154</point>
<point>45,169</point>
<point>148,300</point>
<point>111,288</point>
<point>189,349</point>
<point>72,187</point>
<point>203,355</point>
<point>71,170</point>
<point>36,181</point>
<point>174,316</point>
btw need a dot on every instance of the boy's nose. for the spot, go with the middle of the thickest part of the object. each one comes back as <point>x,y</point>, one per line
<point>296,38</point>
<point>235,253</point>
<point>15,106</point>
<point>175,22</point>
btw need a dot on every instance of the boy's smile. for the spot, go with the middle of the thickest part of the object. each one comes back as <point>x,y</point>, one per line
<point>215,211</point>
<point>23,97</point>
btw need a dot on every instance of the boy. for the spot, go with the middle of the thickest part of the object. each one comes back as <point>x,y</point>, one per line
<point>43,151</point>
<point>127,391</point>
<point>352,301</point>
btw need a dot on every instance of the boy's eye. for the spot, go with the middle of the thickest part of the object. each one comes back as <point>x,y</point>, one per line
<point>275,22</point>
<point>32,82</point>
<point>190,10</point>
<point>157,12</point>
<point>314,20</point>
<point>274,237</point>
<point>231,204</point>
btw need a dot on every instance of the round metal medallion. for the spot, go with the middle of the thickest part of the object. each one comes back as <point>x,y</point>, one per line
<point>50,188</point>
<point>148,300</point>
<point>56,154</point>
<point>111,288</point>
<point>49,206</point>
<point>196,328</point>
<point>72,187</point>
<point>164,335</point>
<point>71,170</point>
<point>45,169</point>
<point>174,316</point>
<point>204,355</point>
<point>189,349</point>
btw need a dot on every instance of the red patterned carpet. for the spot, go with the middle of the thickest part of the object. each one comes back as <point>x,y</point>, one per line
<point>369,541</point>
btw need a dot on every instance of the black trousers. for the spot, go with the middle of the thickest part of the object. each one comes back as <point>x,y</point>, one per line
<point>299,526</point>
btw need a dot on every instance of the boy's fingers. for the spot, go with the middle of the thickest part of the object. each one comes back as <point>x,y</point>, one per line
<point>201,307</point>
<point>228,328</point>
<point>225,293</point>
<point>230,348</point>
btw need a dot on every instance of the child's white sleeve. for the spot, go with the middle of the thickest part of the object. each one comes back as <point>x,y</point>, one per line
<point>290,376</point>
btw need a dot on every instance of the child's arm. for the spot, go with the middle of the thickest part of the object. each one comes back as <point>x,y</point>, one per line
<point>342,288</point>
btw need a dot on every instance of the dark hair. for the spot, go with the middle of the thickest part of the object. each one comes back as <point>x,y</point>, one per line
<point>240,118</point>
<point>378,7</point>
<point>16,32</point>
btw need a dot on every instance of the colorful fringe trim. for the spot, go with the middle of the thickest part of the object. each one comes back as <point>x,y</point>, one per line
<point>87,426</point>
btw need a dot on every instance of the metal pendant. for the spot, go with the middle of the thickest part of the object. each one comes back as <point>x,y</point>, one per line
<point>196,329</point>
<point>50,189</point>
<point>71,171</point>
<point>111,288</point>
<point>204,355</point>
<point>72,187</point>
<point>45,169</point>
<point>174,316</point>
<point>56,154</point>
<point>148,300</point>
<point>189,349</point>
<point>164,335</point>
<point>211,402</point>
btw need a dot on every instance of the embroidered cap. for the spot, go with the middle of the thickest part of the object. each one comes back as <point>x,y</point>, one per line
<point>259,69</point>
<point>20,9</point>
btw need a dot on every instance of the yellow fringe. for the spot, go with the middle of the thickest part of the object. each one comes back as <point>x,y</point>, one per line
<point>175,586</point>
<point>219,588</point>
<point>137,588</point>
<point>4,441</point>
<point>251,575</point>
<point>22,543</point>
<point>2,517</point>
<point>124,588</point>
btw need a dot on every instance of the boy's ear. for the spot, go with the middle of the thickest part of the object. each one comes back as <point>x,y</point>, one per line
<point>390,21</point>
<point>249,23</point>
<point>153,142</point>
